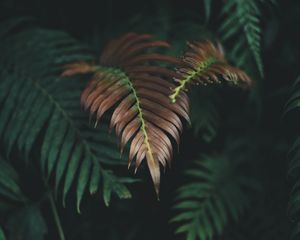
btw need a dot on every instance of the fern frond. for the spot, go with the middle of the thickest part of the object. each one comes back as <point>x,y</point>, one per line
<point>204,63</point>
<point>294,101</point>
<point>128,79</point>
<point>216,195</point>
<point>243,16</point>
<point>38,104</point>
<point>9,183</point>
<point>293,210</point>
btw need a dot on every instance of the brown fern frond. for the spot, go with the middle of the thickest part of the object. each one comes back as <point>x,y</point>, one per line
<point>128,80</point>
<point>77,68</point>
<point>205,63</point>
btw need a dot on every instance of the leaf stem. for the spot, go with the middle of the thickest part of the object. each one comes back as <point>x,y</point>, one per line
<point>56,218</point>
<point>190,76</point>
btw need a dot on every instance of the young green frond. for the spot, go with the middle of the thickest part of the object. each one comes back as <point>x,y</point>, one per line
<point>215,196</point>
<point>128,80</point>
<point>204,63</point>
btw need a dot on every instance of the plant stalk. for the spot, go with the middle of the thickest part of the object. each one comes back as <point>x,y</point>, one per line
<point>56,218</point>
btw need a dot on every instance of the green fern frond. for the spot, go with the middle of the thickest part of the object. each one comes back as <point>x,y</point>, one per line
<point>40,106</point>
<point>293,210</point>
<point>9,183</point>
<point>293,207</point>
<point>215,196</point>
<point>294,100</point>
<point>112,184</point>
<point>243,16</point>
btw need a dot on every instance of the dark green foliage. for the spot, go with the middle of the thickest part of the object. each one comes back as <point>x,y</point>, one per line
<point>9,184</point>
<point>113,184</point>
<point>2,237</point>
<point>27,223</point>
<point>215,196</point>
<point>245,185</point>
<point>242,21</point>
<point>39,104</point>
<point>294,100</point>
<point>294,166</point>
<point>260,222</point>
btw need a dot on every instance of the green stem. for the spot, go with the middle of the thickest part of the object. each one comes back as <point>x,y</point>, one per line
<point>56,218</point>
<point>191,76</point>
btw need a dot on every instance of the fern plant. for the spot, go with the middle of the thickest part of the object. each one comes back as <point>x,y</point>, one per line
<point>136,94</point>
<point>216,195</point>
<point>293,104</point>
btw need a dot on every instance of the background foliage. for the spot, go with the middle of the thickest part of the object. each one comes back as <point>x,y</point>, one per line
<point>236,175</point>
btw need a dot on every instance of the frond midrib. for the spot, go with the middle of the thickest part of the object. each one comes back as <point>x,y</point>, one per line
<point>190,77</point>
<point>67,118</point>
<point>140,115</point>
<point>123,77</point>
